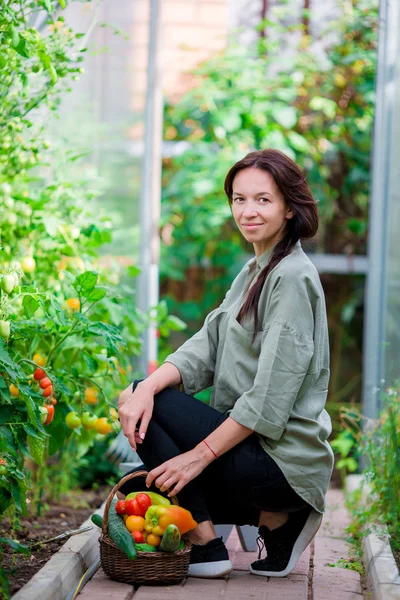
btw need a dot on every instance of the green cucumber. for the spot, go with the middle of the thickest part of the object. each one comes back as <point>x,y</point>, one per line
<point>171,539</point>
<point>97,520</point>
<point>145,548</point>
<point>119,533</point>
<point>181,545</point>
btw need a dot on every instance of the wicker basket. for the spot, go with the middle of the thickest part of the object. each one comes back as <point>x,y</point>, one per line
<point>148,567</point>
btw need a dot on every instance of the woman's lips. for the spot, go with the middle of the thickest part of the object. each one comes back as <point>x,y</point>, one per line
<point>253,226</point>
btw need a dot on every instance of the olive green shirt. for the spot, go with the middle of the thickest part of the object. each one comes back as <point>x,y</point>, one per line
<point>279,386</point>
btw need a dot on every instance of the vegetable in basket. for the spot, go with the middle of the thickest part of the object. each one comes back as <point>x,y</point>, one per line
<point>158,518</point>
<point>171,539</point>
<point>119,533</point>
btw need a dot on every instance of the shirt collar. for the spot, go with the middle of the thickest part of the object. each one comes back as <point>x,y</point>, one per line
<point>263,259</point>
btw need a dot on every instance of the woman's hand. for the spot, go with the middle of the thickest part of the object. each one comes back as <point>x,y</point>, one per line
<point>179,471</point>
<point>134,407</point>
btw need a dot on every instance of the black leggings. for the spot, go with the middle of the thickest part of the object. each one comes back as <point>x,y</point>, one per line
<point>233,488</point>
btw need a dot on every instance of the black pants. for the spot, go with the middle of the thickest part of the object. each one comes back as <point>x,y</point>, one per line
<point>233,488</point>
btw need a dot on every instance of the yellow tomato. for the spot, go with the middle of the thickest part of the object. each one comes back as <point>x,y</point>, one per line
<point>14,391</point>
<point>134,523</point>
<point>91,395</point>
<point>39,359</point>
<point>73,303</point>
<point>153,540</point>
<point>103,426</point>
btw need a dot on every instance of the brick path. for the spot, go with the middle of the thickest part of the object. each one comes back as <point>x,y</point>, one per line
<point>312,578</point>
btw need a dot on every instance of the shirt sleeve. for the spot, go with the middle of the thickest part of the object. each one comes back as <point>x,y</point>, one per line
<point>196,358</point>
<point>287,348</point>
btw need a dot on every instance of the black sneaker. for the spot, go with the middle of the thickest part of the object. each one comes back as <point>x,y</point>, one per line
<point>210,560</point>
<point>285,544</point>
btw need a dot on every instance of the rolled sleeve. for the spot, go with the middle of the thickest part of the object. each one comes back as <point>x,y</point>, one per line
<point>196,358</point>
<point>283,364</point>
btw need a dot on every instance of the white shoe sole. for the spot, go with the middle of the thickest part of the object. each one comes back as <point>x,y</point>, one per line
<point>308,532</point>
<point>210,570</point>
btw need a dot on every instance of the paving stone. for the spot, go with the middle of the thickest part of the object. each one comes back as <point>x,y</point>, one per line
<point>329,550</point>
<point>342,580</point>
<point>101,586</point>
<point>327,593</point>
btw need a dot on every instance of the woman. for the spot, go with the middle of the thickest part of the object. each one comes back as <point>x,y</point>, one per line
<point>258,454</point>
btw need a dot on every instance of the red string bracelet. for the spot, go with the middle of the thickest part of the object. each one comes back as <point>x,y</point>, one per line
<point>210,448</point>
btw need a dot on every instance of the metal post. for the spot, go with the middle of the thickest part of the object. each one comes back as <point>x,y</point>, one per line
<point>376,285</point>
<point>150,198</point>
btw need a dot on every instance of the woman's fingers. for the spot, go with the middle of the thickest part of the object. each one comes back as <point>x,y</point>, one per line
<point>154,473</point>
<point>167,484</point>
<point>144,422</point>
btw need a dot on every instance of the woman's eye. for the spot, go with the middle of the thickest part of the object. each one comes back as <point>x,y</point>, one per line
<point>266,199</point>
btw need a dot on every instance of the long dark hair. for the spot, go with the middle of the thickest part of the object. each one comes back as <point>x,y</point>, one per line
<point>297,195</point>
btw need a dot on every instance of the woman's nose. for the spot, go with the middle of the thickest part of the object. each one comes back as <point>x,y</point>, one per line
<point>249,210</point>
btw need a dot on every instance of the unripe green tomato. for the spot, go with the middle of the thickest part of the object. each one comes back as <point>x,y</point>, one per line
<point>28,264</point>
<point>3,470</point>
<point>88,420</point>
<point>43,414</point>
<point>72,420</point>
<point>5,329</point>
<point>6,188</point>
<point>77,395</point>
<point>8,283</point>
<point>75,233</point>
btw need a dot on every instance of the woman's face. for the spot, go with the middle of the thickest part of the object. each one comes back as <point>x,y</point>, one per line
<point>257,200</point>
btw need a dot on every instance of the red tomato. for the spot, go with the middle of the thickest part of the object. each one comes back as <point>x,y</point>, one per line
<point>120,507</point>
<point>45,382</point>
<point>50,413</point>
<point>39,374</point>
<point>131,507</point>
<point>138,537</point>
<point>47,391</point>
<point>143,501</point>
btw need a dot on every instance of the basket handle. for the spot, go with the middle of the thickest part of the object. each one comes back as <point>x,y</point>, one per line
<point>115,489</point>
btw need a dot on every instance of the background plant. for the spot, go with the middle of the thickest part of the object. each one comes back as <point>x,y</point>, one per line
<point>316,108</point>
<point>378,443</point>
<point>63,306</point>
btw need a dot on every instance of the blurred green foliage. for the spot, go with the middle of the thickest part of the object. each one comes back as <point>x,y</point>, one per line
<point>316,108</point>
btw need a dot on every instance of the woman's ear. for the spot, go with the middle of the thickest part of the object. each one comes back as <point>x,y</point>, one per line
<point>290,213</point>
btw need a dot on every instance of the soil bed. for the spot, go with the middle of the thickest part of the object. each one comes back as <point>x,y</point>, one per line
<point>68,514</point>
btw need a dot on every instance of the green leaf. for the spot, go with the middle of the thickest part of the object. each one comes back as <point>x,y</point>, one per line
<point>16,494</point>
<point>5,499</point>
<point>30,306</point>
<point>6,414</point>
<point>298,142</point>
<point>162,310</point>
<point>325,105</point>
<point>51,224</point>
<point>23,49</point>
<point>17,546</point>
<point>286,116</point>
<point>37,447</point>
<point>85,282</point>
<point>133,271</point>
<point>14,36</point>
<point>175,323</point>
<point>58,309</point>
<point>91,362</point>
<point>96,294</point>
